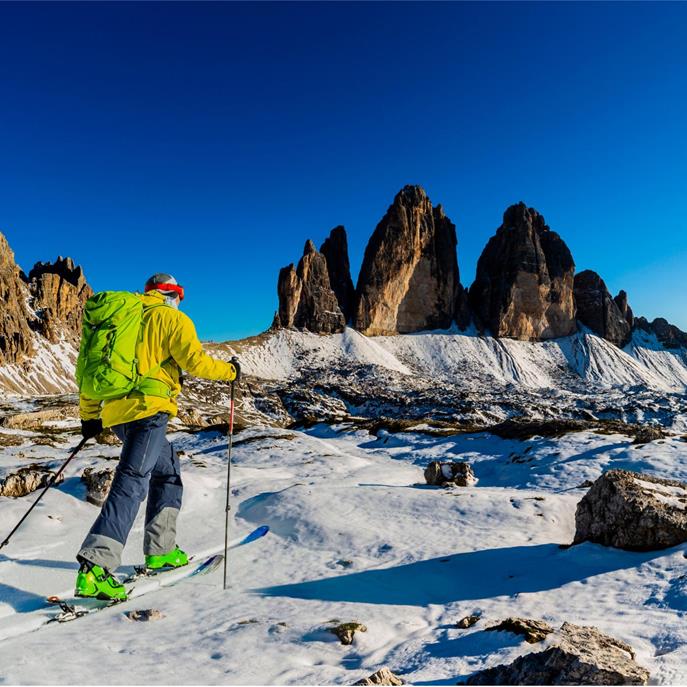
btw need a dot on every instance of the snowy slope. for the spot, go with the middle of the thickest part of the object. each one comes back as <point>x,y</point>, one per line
<point>355,536</point>
<point>465,360</point>
<point>468,359</point>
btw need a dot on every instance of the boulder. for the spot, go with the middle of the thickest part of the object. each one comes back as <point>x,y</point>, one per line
<point>599,311</point>
<point>668,334</point>
<point>524,283</point>
<point>98,483</point>
<point>144,615</point>
<point>575,655</point>
<point>27,480</point>
<point>382,677</point>
<point>346,631</point>
<point>306,299</point>
<point>633,511</point>
<point>335,251</point>
<point>467,621</point>
<point>409,278</point>
<point>15,333</point>
<point>456,473</point>
<point>532,630</point>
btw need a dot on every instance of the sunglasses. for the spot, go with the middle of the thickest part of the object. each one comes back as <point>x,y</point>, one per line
<point>179,290</point>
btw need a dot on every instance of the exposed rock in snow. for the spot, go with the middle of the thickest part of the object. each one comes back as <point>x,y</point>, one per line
<point>467,622</point>
<point>409,278</point>
<point>306,299</point>
<point>39,418</point>
<point>599,311</point>
<point>633,511</point>
<point>98,483</point>
<point>532,630</point>
<point>335,251</point>
<point>26,480</point>
<point>455,473</point>
<point>524,283</point>
<point>382,677</point>
<point>346,631</point>
<point>577,655</point>
<point>145,615</point>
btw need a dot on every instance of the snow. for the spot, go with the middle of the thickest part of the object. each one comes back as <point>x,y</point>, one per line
<point>355,536</point>
<point>467,358</point>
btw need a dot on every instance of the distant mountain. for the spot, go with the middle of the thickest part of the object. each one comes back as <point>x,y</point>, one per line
<point>40,325</point>
<point>525,288</point>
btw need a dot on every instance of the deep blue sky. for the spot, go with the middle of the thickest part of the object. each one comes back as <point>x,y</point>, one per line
<point>211,140</point>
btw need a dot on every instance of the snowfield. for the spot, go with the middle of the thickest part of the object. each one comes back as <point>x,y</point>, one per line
<point>356,535</point>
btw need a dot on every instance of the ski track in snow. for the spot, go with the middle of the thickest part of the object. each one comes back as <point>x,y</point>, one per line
<point>356,536</point>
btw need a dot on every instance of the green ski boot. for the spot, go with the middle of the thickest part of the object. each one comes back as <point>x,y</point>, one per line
<point>176,558</point>
<point>96,582</point>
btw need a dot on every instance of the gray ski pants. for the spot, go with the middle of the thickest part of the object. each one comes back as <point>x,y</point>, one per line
<point>148,466</point>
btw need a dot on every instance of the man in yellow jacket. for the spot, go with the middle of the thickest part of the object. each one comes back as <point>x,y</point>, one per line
<point>148,465</point>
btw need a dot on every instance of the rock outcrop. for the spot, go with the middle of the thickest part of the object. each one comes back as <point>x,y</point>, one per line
<point>456,473</point>
<point>599,311</point>
<point>15,333</point>
<point>27,480</point>
<point>668,334</point>
<point>335,251</point>
<point>306,299</point>
<point>59,291</point>
<point>382,677</point>
<point>624,307</point>
<point>577,655</point>
<point>633,511</point>
<point>532,630</point>
<point>409,278</point>
<point>524,283</point>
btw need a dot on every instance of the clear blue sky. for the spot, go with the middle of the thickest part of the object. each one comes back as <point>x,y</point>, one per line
<point>210,140</point>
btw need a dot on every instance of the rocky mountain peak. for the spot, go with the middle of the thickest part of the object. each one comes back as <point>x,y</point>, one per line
<point>524,283</point>
<point>306,298</point>
<point>335,251</point>
<point>15,333</point>
<point>599,311</point>
<point>58,293</point>
<point>409,278</point>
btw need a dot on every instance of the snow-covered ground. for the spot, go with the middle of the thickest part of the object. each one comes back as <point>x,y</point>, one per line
<point>356,536</point>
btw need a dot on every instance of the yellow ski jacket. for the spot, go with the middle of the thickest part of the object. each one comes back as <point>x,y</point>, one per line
<point>167,334</point>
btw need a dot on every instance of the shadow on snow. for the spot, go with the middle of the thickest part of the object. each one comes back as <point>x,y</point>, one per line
<point>468,576</point>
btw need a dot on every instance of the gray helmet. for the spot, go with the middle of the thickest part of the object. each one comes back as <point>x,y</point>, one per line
<point>160,280</point>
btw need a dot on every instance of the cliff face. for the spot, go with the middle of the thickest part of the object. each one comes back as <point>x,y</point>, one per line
<point>306,299</point>
<point>15,333</point>
<point>335,251</point>
<point>409,278</point>
<point>59,292</point>
<point>599,311</point>
<point>524,283</point>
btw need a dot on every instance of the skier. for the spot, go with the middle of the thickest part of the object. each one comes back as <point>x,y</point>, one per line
<point>148,464</point>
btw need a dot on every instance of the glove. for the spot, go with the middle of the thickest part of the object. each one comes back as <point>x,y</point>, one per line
<point>237,369</point>
<point>91,428</point>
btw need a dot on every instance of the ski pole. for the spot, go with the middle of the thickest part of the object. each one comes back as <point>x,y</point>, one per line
<point>230,443</point>
<point>42,494</point>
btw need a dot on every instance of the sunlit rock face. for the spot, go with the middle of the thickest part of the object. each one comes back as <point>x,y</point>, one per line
<point>524,283</point>
<point>409,278</point>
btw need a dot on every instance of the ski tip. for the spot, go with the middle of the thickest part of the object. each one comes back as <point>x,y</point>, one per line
<point>256,534</point>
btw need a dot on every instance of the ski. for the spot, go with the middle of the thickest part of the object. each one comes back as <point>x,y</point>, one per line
<point>72,608</point>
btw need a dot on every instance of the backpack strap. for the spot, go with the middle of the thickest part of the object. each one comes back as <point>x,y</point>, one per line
<point>148,384</point>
